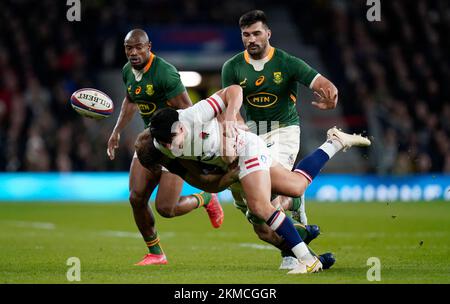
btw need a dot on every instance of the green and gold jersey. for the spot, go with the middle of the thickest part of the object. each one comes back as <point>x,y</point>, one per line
<point>270,94</point>
<point>153,86</point>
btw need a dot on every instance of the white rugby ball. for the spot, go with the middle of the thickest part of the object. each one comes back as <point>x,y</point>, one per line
<point>92,103</point>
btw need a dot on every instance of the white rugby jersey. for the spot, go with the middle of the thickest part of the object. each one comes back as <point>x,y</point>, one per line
<point>202,140</point>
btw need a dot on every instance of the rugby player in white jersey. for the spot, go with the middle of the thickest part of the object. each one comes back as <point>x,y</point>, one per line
<point>196,134</point>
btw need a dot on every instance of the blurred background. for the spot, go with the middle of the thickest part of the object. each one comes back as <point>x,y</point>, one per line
<point>393,75</point>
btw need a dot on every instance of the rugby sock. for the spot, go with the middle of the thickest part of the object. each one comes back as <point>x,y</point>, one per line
<point>302,211</point>
<point>295,204</point>
<point>202,198</point>
<point>286,253</point>
<point>153,244</point>
<point>331,147</point>
<point>301,229</point>
<point>302,252</point>
<point>282,225</point>
<point>311,165</point>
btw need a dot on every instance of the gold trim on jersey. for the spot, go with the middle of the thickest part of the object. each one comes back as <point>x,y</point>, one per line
<point>149,63</point>
<point>293,98</point>
<point>269,56</point>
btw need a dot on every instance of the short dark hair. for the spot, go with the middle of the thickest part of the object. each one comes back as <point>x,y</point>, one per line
<point>161,125</point>
<point>252,17</point>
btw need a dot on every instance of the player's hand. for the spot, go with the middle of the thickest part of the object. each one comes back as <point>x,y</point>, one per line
<point>229,139</point>
<point>230,129</point>
<point>325,99</point>
<point>231,176</point>
<point>242,126</point>
<point>113,143</point>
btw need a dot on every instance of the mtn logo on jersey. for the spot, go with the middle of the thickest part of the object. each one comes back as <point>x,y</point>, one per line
<point>262,100</point>
<point>146,108</point>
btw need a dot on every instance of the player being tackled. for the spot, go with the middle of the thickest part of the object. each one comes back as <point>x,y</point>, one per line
<point>178,134</point>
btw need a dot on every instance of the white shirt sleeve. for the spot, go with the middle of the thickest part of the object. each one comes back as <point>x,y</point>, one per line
<point>204,110</point>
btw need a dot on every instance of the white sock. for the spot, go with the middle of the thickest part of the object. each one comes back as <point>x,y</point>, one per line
<point>331,147</point>
<point>303,218</point>
<point>301,251</point>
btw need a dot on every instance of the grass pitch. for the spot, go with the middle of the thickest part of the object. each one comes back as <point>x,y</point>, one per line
<point>412,241</point>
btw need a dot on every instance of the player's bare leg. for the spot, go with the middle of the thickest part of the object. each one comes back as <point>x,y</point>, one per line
<point>142,182</point>
<point>170,204</point>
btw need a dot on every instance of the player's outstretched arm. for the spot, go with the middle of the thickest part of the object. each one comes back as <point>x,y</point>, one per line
<point>326,94</point>
<point>126,114</point>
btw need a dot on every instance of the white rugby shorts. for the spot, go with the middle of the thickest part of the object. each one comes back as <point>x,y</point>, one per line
<point>283,144</point>
<point>253,154</point>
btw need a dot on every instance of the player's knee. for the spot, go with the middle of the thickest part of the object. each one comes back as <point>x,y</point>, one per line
<point>137,200</point>
<point>165,211</point>
<point>298,190</point>
<point>258,211</point>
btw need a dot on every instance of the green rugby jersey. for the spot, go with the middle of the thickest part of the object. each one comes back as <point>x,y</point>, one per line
<point>269,94</point>
<point>159,83</point>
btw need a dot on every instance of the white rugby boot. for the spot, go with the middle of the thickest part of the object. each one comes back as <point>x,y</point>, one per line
<point>288,263</point>
<point>347,140</point>
<point>303,268</point>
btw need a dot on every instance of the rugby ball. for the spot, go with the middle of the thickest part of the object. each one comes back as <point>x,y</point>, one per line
<point>92,103</point>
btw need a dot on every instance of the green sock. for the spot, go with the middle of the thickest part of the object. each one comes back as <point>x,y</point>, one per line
<point>153,244</point>
<point>301,229</point>
<point>203,198</point>
<point>296,201</point>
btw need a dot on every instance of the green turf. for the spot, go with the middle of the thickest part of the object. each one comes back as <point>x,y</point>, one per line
<point>412,241</point>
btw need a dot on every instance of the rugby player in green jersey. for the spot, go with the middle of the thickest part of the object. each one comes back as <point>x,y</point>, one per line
<point>269,78</point>
<point>152,84</point>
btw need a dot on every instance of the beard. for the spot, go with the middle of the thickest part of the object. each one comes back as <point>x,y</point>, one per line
<point>257,51</point>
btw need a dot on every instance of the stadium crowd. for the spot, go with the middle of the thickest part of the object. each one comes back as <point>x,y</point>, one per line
<point>44,58</point>
<point>392,76</point>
